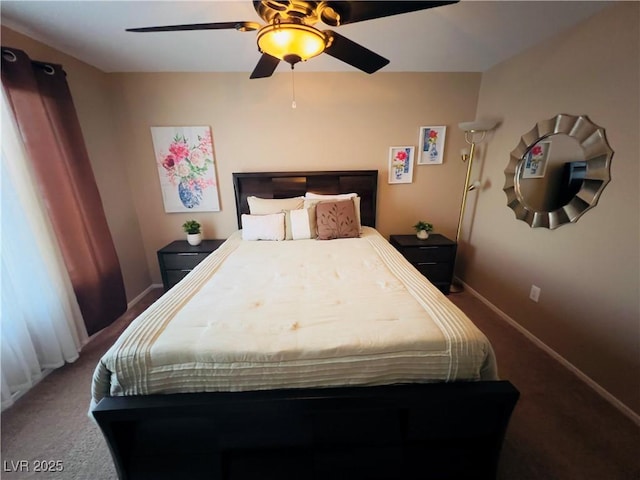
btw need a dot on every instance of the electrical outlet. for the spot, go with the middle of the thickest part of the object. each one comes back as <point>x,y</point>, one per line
<point>535,293</point>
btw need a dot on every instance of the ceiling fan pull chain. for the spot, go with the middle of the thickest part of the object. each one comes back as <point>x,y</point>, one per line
<point>293,88</point>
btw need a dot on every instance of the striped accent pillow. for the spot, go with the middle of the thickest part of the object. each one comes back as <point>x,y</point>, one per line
<point>300,224</point>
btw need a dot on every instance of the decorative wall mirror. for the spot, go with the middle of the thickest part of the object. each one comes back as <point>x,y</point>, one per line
<point>558,171</point>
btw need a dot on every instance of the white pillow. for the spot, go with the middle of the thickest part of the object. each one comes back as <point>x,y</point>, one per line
<point>266,206</point>
<point>300,224</point>
<point>337,196</point>
<point>263,227</point>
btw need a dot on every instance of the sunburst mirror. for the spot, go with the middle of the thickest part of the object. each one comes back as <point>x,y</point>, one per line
<point>558,171</point>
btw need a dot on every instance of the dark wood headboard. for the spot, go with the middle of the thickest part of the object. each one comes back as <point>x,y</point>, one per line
<point>293,184</point>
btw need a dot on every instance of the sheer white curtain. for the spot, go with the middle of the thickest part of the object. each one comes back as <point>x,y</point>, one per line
<point>40,321</point>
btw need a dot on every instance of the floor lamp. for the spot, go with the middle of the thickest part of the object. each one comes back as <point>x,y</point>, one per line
<point>474,133</point>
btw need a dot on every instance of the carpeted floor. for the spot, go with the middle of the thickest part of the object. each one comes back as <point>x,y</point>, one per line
<point>50,422</point>
<point>561,429</point>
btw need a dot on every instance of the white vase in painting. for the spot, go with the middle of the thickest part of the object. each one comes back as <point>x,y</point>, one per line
<point>194,238</point>
<point>422,234</point>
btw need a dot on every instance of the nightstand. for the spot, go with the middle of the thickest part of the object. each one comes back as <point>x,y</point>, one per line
<point>434,257</point>
<point>178,258</point>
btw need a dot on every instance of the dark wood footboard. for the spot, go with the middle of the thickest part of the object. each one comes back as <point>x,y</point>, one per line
<point>430,431</point>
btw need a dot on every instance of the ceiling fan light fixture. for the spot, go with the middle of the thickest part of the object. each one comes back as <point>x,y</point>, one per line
<point>291,42</point>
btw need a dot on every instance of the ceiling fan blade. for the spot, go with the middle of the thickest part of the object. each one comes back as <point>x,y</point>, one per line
<point>350,52</point>
<point>265,67</point>
<point>335,13</point>
<point>242,26</point>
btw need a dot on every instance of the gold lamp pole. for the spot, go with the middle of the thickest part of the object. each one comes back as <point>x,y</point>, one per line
<point>474,133</point>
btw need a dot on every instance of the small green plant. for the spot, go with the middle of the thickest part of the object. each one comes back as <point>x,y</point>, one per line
<point>426,226</point>
<point>191,227</point>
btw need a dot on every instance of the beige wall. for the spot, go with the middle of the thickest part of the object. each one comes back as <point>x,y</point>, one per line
<point>91,92</point>
<point>342,121</point>
<point>588,271</point>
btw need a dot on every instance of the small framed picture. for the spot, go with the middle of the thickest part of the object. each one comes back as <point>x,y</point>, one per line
<point>401,164</point>
<point>431,149</point>
<point>535,160</point>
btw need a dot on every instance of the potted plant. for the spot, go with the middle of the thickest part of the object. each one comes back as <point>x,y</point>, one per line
<point>194,236</point>
<point>423,229</point>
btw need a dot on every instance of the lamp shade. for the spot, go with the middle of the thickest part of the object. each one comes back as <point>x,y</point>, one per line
<point>291,42</point>
<point>477,126</point>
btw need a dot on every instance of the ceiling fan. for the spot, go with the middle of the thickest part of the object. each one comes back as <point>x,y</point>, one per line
<point>289,33</point>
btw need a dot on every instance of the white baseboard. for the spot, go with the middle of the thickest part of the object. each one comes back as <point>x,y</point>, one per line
<point>563,361</point>
<point>140,296</point>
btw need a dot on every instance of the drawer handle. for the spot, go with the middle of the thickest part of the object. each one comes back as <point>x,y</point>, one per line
<point>427,248</point>
<point>187,254</point>
<point>185,270</point>
<point>427,263</point>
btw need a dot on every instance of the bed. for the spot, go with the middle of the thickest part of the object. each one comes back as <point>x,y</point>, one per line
<point>304,359</point>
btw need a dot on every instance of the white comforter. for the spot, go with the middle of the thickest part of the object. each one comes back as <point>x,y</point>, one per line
<point>305,313</point>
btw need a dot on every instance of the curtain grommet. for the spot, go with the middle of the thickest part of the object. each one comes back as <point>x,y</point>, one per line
<point>9,56</point>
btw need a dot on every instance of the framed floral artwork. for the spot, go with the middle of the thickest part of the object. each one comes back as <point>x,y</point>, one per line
<point>535,160</point>
<point>431,149</point>
<point>401,164</point>
<point>186,167</point>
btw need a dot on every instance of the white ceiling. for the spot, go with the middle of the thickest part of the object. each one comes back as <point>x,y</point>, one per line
<point>470,36</point>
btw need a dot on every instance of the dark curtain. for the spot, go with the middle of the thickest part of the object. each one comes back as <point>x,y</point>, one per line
<point>42,105</point>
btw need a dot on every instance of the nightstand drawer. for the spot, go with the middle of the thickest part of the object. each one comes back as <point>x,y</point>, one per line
<point>178,258</point>
<point>433,257</point>
<point>428,254</point>
<point>183,260</point>
<point>436,272</point>
<point>174,276</point>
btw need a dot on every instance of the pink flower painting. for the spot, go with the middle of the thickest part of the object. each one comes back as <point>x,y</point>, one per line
<point>186,167</point>
<point>401,165</point>
<point>431,147</point>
